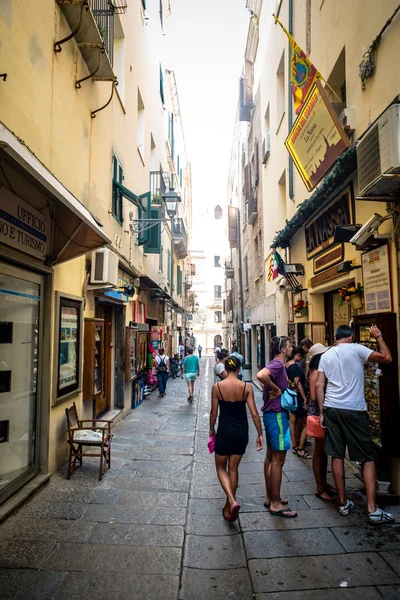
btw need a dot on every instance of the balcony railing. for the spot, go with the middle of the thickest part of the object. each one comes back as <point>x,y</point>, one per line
<point>229,270</point>
<point>158,181</point>
<point>252,206</point>
<point>180,238</point>
<point>104,16</point>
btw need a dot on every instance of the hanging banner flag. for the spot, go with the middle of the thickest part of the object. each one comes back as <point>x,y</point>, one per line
<point>302,72</point>
<point>276,266</point>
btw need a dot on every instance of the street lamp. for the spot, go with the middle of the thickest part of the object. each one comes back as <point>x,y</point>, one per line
<point>171,199</point>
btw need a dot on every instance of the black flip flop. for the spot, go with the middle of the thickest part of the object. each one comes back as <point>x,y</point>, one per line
<point>283,513</point>
<point>284,501</point>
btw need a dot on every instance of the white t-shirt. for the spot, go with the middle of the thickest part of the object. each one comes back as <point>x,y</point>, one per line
<point>343,366</point>
<point>218,369</point>
<point>158,358</point>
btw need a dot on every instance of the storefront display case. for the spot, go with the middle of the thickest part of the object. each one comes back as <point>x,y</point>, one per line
<point>381,383</point>
<point>130,353</point>
<point>93,372</point>
<point>141,338</point>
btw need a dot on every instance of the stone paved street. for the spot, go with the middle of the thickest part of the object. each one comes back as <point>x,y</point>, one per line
<point>153,529</point>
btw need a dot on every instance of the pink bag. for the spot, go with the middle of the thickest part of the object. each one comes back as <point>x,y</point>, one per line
<point>211,444</point>
<point>314,428</point>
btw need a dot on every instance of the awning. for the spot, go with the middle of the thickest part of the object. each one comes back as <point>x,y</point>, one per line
<point>74,229</point>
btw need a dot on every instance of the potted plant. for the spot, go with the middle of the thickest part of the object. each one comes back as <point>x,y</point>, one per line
<point>351,295</point>
<point>381,481</point>
<point>247,373</point>
<point>300,308</point>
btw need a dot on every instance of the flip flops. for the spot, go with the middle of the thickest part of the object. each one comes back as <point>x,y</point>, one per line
<point>233,515</point>
<point>284,512</point>
<point>283,501</point>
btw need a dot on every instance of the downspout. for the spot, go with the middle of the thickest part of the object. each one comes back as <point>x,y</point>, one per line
<point>290,111</point>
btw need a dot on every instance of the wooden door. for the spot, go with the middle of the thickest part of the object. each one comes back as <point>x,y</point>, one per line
<point>103,402</point>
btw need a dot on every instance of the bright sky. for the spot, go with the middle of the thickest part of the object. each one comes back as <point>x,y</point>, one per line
<point>207,43</point>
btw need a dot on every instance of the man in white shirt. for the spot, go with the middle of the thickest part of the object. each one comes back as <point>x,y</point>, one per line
<point>163,371</point>
<point>181,350</point>
<point>343,411</point>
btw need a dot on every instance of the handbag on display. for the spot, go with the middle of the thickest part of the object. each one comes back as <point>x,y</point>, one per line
<point>314,428</point>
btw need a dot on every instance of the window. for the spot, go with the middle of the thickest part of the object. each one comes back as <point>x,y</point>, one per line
<point>280,91</point>
<point>141,129</point>
<point>179,280</point>
<point>161,15</point>
<point>69,337</point>
<point>218,213</point>
<point>217,291</point>
<point>282,196</point>
<point>171,134</point>
<point>118,176</point>
<point>218,316</point>
<point>162,85</point>
<point>144,4</point>
<point>246,271</point>
<point>337,82</point>
<point>216,261</point>
<point>169,265</point>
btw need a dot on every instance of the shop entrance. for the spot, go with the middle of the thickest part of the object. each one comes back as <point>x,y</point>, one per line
<point>335,315</point>
<point>21,294</point>
<point>103,401</point>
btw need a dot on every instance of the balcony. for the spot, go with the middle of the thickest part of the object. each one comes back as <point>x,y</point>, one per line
<point>252,206</point>
<point>92,25</point>
<point>158,186</point>
<point>180,238</point>
<point>229,270</point>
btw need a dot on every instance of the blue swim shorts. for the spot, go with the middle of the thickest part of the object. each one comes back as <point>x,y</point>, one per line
<point>277,430</point>
<point>190,376</point>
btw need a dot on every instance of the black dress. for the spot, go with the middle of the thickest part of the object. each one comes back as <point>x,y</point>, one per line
<point>233,428</point>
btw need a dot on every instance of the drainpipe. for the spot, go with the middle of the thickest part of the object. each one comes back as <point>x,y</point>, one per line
<point>290,111</point>
<point>240,277</point>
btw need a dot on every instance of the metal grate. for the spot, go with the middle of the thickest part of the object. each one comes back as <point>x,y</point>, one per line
<point>368,159</point>
<point>118,6</point>
<point>104,15</point>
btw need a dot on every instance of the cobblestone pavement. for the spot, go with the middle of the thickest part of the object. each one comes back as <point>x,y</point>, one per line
<point>153,528</point>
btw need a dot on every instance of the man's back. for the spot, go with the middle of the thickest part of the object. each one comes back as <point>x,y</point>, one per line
<point>343,366</point>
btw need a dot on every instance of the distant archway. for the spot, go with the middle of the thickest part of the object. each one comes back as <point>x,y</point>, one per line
<point>218,212</point>
<point>217,340</point>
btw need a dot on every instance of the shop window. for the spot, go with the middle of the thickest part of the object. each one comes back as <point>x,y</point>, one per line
<point>217,261</point>
<point>118,176</point>
<point>69,314</point>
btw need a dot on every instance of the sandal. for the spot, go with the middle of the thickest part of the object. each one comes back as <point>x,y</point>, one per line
<point>327,492</point>
<point>233,515</point>
<point>284,512</point>
<point>380,516</point>
<point>294,449</point>
<point>304,455</point>
<point>283,501</point>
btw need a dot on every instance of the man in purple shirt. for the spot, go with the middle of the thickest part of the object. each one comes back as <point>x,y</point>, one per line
<point>276,422</point>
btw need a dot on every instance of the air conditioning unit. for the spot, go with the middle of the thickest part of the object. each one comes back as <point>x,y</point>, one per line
<point>104,267</point>
<point>266,149</point>
<point>347,120</point>
<point>378,155</point>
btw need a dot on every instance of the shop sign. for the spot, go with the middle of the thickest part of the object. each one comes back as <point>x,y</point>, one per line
<point>21,226</point>
<point>320,230</point>
<point>328,259</point>
<point>119,295</point>
<point>376,276</point>
<point>325,276</point>
<point>317,138</point>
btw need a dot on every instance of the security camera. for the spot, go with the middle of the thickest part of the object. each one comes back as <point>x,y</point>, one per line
<point>362,236</point>
<point>283,283</point>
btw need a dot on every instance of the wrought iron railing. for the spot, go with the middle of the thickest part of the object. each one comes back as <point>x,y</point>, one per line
<point>157,186</point>
<point>103,12</point>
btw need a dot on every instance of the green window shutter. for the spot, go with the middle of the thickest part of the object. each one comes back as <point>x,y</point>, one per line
<point>145,200</point>
<point>160,260</point>
<point>144,4</point>
<point>162,85</point>
<point>180,273</point>
<point>153,244</point>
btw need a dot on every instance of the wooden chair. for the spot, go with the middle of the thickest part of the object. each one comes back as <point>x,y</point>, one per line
<point>80,436</point>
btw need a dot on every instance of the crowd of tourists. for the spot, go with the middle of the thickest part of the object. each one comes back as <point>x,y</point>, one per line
<point>323,401</point>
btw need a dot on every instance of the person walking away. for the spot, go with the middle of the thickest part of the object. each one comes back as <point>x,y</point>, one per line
<point>319,461</point>
<point>230,398</point>
<point>343,411</point>
<point>199,350</point>
<point>191,368</point>
<point>276,422</point>
<point>163,372</point>
<point>181,350</point>
<point>235,352</point>
<point>306,344</point>
<point>297,379</point>
<point>219,369</point>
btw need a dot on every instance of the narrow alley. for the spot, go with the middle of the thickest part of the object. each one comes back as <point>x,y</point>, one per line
<point>153,529</point>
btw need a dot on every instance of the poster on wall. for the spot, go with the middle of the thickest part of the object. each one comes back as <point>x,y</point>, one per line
<point>316,138</point>
<point>376,276</point>
<point>68,346</point>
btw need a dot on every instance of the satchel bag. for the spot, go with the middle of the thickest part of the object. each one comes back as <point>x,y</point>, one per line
<point>314,428</point>
<point>289,399</point>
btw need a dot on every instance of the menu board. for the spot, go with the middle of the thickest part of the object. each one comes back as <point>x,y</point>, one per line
<point>376,275</point>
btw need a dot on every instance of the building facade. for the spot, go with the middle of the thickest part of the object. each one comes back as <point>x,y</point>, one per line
<point>311,227</point>
<point>91,143</point>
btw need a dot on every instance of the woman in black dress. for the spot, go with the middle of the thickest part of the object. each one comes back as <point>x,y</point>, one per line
<point>231,396</point>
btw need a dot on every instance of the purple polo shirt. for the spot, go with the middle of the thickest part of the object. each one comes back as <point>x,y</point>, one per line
<point>278,373</point>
